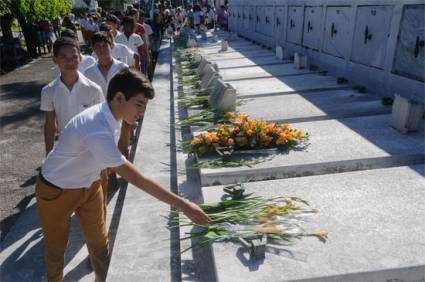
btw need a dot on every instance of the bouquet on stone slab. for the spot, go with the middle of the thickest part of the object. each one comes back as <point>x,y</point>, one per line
<point>205,117</point>
<point>251,217</point>
<point>186,57</point>
<point>244,133</point>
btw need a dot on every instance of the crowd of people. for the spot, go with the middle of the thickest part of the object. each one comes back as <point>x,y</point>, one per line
<point>91,109</point>
<point>166,21</point>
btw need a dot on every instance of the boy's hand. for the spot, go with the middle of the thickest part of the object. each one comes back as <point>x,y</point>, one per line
<point>196,214</point>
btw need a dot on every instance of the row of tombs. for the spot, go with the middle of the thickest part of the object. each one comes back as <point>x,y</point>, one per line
<point>377,43</point>
<point>351,166</point>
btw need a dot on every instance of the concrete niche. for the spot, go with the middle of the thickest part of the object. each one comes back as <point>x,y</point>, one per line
<point>223,97</point>
<point>214,38</point>
<point>279,52</point>
<point>208,79</point>
<point>197,58</point>
<point>191,43</point>
<point>201,66</point>
<point>407,115</point>
<point>282,52</point>
<point>300,61</point>
<point>224,46</point>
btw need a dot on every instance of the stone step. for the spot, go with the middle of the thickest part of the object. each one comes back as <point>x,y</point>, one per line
<point>238,55</point>
<point>293,72</point>
<point>312,106</point>
<point>246,62</point>
<point>334,146</point>
<point>375,224</point>
<point>239,44</point>
<point>246,49</point>
<point>240,67</point>
<point>287,85</point>
<point>256,72</point>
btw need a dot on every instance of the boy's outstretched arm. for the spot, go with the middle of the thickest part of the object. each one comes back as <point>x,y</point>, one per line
<point>131,174</point>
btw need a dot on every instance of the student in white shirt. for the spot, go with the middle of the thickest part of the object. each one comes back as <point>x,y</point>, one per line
<point>210,17</point>
<point>197,17</point>
<point>106,66</point>
<point>113,22</point>
<point>69,178</point>
<point>120,51</point>
<point>101,73</point>
<point>149,39</point>
<point>69,94</point>
<point>129,38</point>
<point>83,24</point>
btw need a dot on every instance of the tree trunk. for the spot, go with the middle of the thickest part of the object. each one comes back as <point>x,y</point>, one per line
<point>6,27</point>
<point>30,36</point>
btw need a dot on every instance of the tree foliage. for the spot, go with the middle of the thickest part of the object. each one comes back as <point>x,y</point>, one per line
<point>35,10</point>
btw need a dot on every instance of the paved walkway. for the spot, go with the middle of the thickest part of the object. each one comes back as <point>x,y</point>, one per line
<point>21,136</point>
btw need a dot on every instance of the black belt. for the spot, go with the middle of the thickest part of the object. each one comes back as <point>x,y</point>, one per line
<point>45,181</point>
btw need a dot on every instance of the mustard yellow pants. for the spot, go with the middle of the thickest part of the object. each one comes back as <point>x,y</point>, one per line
<point>55,207</point>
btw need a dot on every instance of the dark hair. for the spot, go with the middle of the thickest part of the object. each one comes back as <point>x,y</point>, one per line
<point>128,20</point>
<point>101,36</point>
<point>62,42</point>
<point>112,18</point>
<point>69,33</point>
<point>130,83</point>
<point>104,27</point>
<point>133,12</point>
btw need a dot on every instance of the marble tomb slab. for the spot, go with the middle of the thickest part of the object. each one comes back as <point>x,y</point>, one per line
<point>247,62</point>
<point>375,224</point>
<point>349,144</point>
<point>263,72</point>
<point>239,55</point>
<point>283,85</point>
<point>313,106</point>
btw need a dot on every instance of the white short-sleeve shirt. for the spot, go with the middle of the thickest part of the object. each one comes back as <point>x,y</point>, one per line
<point>94,74</point>
<point>122,53</point>
<point>55,96</point>
<point>87,145</point>
<point>86,62</point>
<point>132,42</point>
<point>118,33</point>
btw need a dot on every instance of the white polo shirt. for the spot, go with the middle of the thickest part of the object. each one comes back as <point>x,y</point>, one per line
<point>118,33</point>
<point>86,62</point>
<point>87,145</point>
<point>94,74</point>
<point>55,96</point>
<point>122,53</point>
<point>133,42</point>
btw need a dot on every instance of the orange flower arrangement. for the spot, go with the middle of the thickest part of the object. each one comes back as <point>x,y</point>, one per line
<point>244,133</point>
